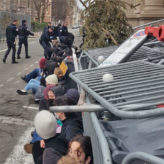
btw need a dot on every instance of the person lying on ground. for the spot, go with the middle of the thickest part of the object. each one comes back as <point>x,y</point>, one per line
<point>34,84</point>
<point>36,73</point>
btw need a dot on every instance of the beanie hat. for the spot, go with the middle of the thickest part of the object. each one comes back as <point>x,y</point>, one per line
<point>58,90</point>
<point>72,94</point>
<point>46,90</point>
<point>42,62</point>
<point>45,124</point>
<point>52,79</point>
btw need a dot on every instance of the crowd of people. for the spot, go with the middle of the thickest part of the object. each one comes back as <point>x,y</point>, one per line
<point>58,137</point>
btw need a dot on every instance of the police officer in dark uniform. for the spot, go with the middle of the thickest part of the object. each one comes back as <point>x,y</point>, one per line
<point>45,40</point>
<point>23,33</point>
<point>65,36</point>
<point>11,33</point>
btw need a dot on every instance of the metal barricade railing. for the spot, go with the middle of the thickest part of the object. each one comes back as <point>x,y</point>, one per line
<point>147,158</point>
<point>157,22</point>
<point>134,84</point>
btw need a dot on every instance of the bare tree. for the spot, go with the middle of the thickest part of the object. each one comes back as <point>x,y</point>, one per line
<point>41,6</point>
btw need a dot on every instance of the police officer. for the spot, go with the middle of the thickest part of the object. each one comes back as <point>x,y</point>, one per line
<point>23,33</point>
<point>45,40</point>
<point>65,36</point>
<point>11,33</point>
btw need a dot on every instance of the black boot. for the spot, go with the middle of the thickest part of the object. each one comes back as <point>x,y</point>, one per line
<point>18,57</point>
<point>27,57</point>
<point>14,62</point>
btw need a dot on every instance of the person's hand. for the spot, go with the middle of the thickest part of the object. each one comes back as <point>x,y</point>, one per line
<point>42,144</point>
<point>32,34</point>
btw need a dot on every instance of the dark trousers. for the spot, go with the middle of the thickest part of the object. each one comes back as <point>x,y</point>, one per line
<point>25,42</point>
<point>37,152</point>
<point>10,45</point>
<point>47,49</point>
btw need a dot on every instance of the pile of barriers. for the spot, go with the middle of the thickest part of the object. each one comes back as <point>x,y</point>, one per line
<point>123,117</point>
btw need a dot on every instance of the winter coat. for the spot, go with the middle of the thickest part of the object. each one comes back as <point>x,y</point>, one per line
<point>55,148</point>
<point>23,32</point>
<point>11,33</point>
<point>70,128</point>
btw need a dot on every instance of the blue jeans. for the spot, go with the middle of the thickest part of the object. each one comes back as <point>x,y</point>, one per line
<point>33,85</point>
<point>32,75</point>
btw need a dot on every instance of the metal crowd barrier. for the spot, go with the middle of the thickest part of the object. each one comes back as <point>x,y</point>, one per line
<point>89,59</point>
<point>136,85</point>
<point>157,22</point>
<point>147,158</point>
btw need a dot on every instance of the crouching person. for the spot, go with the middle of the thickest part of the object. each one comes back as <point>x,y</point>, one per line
<point>54,145</point>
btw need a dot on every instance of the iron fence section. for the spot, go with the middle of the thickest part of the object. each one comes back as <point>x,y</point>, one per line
<point>101,152</point>
<point>135,83</point>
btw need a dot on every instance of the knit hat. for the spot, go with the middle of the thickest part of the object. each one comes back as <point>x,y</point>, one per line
<point>58,90</point>
<point>52,79</point>
<point>42,62</point>
<point>46,90</point>
<point>73,94</point>
<point>45,124</point>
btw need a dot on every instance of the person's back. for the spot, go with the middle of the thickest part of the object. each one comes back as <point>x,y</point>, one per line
<point>11,33</point>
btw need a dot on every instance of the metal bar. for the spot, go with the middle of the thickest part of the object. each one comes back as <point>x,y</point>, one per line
<point>93,60</point>
<point>143,157</point>
<point>147,24</point>
<point>77,108</point>
<point>103,142</point>
<point>74,108</point>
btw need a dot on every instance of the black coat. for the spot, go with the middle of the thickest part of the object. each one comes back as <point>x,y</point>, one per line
<point>70,128</point>
<point>23,32</point>
<point>11,33</point>
<point>55,148</point>
<point>46,37</point>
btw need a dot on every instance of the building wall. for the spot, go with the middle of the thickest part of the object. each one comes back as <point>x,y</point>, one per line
<point>147,11</point>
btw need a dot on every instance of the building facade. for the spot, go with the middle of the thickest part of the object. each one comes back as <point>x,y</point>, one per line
<point>145,11</point>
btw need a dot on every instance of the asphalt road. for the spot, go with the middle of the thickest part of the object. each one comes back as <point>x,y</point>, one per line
<point>15,121</point>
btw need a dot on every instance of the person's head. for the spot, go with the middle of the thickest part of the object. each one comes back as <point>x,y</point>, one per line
<point>15,21</point>
<point>51,79</point>
<point>49,24</point>
<point>50,29</point>
<point>48,93</point>
<point>58,72</point>
<point>65,23</point>
<point>73,96</point>
<point>42,62</point>
<point>80,148</point>
<point>24,22</point>
<point>45,124</point>
<point>62,101</point>
<point>68,52</point>
<point>68,160</point>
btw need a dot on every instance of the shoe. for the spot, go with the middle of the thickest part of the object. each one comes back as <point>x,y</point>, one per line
<point>14,62</point>
<point>27,57</point>
<point>28,148</point>
<point>21,92</point>
<point>4,60</point>
<point>23,78</point>
<point>18,57</point>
